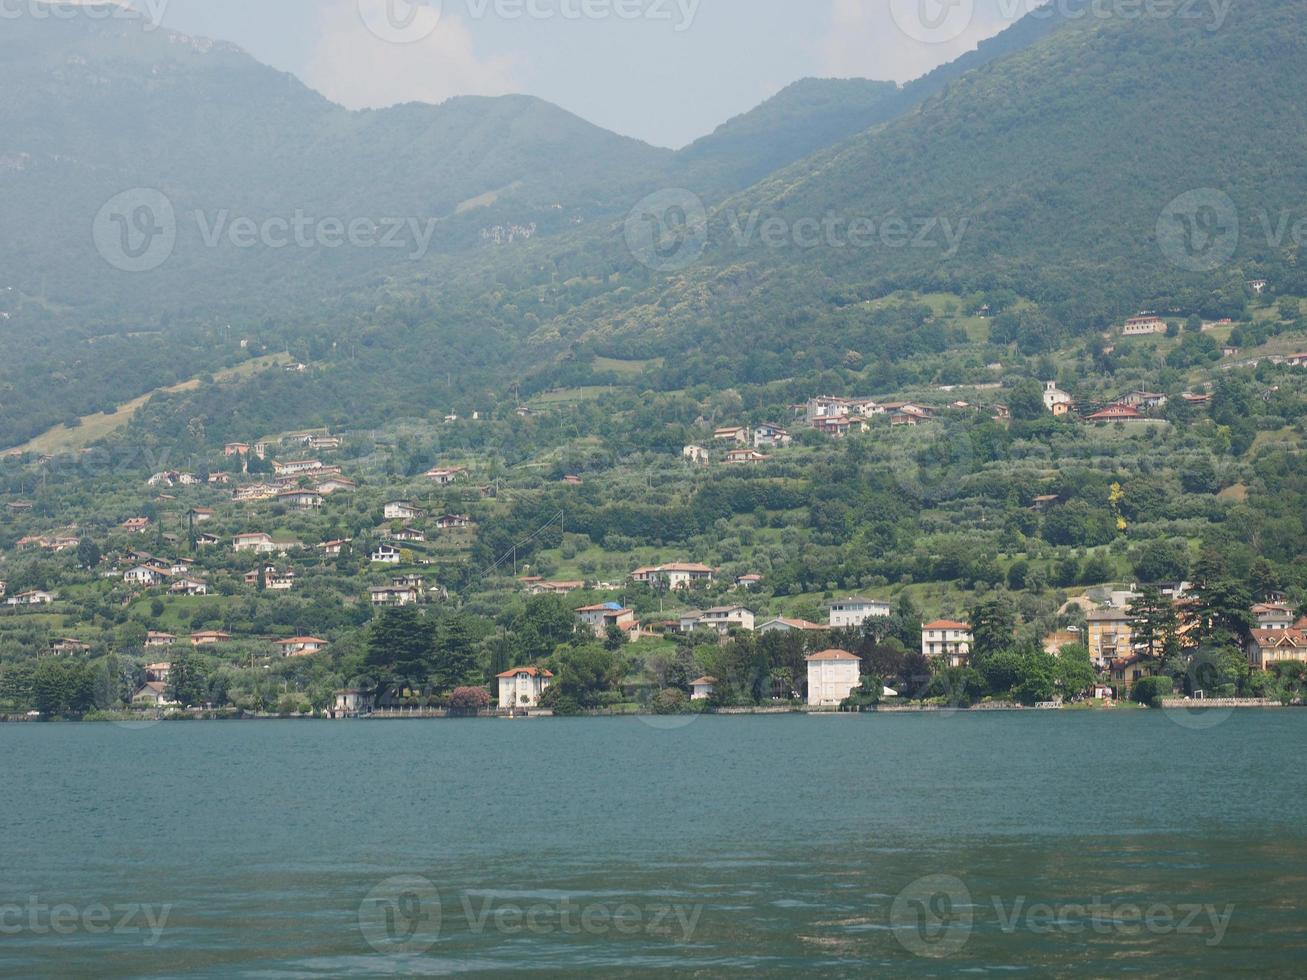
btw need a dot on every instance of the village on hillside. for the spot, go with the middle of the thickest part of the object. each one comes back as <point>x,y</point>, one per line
<point>279,556</point>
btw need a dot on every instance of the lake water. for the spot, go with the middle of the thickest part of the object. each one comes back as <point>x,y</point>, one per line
<point>1025,844</point>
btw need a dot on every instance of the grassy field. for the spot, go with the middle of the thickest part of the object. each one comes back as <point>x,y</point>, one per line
<point>626,367</point>
<point>62,439</point>
<point>570,396</point>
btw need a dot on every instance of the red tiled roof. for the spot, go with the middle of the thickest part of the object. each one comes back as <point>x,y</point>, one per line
<point>529,671</point>
<point>947,624</point>
<point>834,655</point>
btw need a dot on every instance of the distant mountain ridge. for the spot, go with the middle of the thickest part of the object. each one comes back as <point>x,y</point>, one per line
<point>488,196</point>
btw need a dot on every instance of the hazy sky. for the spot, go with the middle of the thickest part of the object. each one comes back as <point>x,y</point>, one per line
<point>667,72</point>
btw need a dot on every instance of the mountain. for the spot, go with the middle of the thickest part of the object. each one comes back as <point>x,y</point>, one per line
<point>1048,172</point>
<point>95,107</point>
<point>796,122</point>
<point>233,154</point>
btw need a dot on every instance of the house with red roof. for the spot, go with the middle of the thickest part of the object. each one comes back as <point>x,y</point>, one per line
<point>522,687</point>
<point>832,676</point>
<point>947,638</point>
<point>1118,413</point>
<point>1268,647</point>
<point>301,646</point>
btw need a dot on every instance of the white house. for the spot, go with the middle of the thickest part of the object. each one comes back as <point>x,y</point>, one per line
<point>259,542</point>
<point>947,638</point>
<point>678,575</point>
<point>401,511</point>
<point>34,598</point>
<point>452,522</point>
<point>142,575</point>
<point>444,476</point>
<point>409,534</point>
<point>854,611</point>
<point>304,499</point>
<point>1056,401</point>
<point>153,693</point>
<point>522,687</point>
<point>769,436</point>
<point>386,555</point>
<point>703,688</point>
<point>155,639</point>
<point>352,701</point>
<point>301,646</point>
<point>393,595</point>
<point>1274,616</point>
<point>189,586</point>
<point>832,677</point>
<point>297,467</point>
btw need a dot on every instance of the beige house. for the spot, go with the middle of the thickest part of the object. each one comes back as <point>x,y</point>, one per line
<point>600,617</point>
<point>726,618</point>
<point>523,686</point>
<point>832,677</point>
<point>1268,647</point>
<point>1110,637</point>
<point>947,638</point>
<point>1144,326</point>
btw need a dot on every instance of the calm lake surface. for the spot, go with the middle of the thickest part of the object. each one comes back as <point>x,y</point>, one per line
<point>1026,844</point>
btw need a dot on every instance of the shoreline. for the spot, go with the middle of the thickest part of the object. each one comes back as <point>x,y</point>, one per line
<point>1171,705</point>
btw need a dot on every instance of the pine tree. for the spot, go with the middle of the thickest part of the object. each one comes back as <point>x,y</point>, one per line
<point>1154,623</point>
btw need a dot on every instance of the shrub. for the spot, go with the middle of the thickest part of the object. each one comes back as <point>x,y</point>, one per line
<point>469,700</point>
<point>1151,690</point>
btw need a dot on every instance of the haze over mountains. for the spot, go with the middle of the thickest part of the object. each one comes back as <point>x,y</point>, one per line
<point>509,213</point>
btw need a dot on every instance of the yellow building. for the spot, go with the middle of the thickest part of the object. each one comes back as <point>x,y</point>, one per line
<point>1110,636</point>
